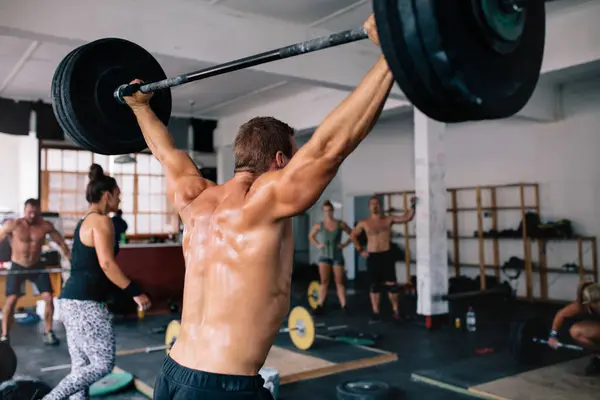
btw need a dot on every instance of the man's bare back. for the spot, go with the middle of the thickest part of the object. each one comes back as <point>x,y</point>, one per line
<point>237,285</point>
<point>238,243</point>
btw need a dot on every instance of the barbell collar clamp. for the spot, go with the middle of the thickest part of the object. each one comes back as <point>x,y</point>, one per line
<point>308,46</point>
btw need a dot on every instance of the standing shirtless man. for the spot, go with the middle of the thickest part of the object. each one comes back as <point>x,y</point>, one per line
<point>238,243</point>
<point>26,237</point>
<point>381,263</point>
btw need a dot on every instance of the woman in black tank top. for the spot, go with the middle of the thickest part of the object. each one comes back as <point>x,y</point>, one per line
<point>88,324</point>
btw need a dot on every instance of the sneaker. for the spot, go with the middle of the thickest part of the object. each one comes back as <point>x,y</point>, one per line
<point>375,317</point>
<point>593,368</point>
<point>345,310</point>
<point>318,311</point>
<point>396,315</point>
<point>4,339</point>
<point>50,339</point>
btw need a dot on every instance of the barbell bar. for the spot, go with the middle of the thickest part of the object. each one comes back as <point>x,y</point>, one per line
<point>558,344</point>
<point>527,341</point>
<point>309,46</point>
<point>455,61</point>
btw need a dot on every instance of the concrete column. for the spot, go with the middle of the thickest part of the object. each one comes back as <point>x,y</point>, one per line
<point>432,243</point>
<point>225,163</point>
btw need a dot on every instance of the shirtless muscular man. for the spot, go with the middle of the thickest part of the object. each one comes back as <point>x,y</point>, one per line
<point>238,243</point>
<point>381,265</point>
<point>26,237</point>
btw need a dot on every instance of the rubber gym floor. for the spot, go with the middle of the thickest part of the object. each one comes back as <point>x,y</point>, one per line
<point>431,364</point>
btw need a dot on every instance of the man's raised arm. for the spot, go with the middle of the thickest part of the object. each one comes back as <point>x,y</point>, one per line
<point>184,181</point>
<point>408,215</point>
<point>299,185</point>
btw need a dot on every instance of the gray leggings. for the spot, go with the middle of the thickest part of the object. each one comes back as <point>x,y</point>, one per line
<point>91,342</point>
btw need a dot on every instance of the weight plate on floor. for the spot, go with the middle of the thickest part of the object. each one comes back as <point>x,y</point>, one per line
<point>363,390</point>
<point>396,28</point>
<point>171,334</point>
<point>88,83</point>
<point>8,362</point>
<point>111,383</point>
<point>302,328</point>
<point>522,346</point>
<point>21,388</point>
<point>488,79</point>
<point>313,294</point>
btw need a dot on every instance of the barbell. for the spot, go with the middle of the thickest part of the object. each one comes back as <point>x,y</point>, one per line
<point>455,60</point>
<point>528,343</point>
<point>303,331</point>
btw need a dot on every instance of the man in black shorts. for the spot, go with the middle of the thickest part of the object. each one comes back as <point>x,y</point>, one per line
<point>381,262</point>
<point>26,236</point>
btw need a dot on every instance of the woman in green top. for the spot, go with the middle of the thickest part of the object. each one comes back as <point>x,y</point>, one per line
<point>331,256</point>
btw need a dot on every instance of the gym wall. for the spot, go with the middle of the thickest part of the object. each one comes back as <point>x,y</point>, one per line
<point>561,157</point>
<point>20,171</point>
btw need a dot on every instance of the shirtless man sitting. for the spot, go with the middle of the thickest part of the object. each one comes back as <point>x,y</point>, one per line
<point>26,236</point>
<point>586,331</point>
<point>381,265</point>
<point>238,243</point>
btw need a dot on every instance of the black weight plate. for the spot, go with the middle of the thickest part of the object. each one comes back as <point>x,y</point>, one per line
<point>431,88</point>
<point>524,349</point>
<point>391,32</point>
<point>8,362</point>
<point>58,103</point>
<point>487,83</point>
<point>89,85</point>
<point>23,388</point>
<point>75,132</point>
<point>363,390</point>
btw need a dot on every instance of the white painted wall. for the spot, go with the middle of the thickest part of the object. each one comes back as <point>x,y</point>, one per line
<point>19,171</point>
<point>562,157</point>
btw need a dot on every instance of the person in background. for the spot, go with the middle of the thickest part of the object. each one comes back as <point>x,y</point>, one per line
<point>331,246</point>
<point>120,226</point>
<point>87,321</point>
<point>586,329</point>
<point>26,236</point>
<point>381,260</point>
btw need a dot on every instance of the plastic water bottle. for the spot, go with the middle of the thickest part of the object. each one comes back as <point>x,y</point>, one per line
<point>471,321</point>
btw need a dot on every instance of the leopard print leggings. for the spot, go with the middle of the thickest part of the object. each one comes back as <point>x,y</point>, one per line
<point>91,342</point>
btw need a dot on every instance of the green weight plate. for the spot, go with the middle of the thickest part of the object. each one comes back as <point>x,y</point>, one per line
<point>394,33</point>
<point>88,85</point>
<point>111,383</point>
<point>486,81</point>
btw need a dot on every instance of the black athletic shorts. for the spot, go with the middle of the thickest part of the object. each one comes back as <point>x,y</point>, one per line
<point>15,283</point>
<point>381,267</point>
<point>176,382</point>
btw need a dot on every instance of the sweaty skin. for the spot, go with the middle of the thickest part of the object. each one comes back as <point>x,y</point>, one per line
<point>26,239</point>
<point>237,240</point>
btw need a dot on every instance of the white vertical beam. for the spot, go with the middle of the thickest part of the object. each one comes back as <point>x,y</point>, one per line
<point>432,245</point>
